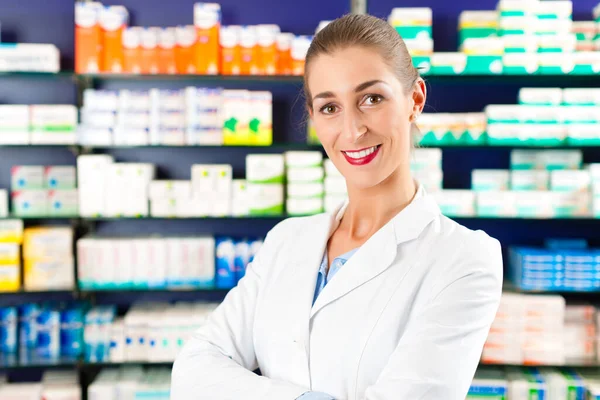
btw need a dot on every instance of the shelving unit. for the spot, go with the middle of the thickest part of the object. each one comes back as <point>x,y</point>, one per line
<point>447,93</point>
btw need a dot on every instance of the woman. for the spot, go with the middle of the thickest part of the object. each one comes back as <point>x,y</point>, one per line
<point>385,299</point>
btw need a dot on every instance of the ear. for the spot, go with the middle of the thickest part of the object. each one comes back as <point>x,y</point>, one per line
<point>310,112</point>
<point>419,96</point>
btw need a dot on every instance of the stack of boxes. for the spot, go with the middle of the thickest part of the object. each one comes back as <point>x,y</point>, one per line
<point>528,383</point>
<point>38,124</point>
<point>540,184</point>
<point>546,269</point>
<point>585,33</point>
<point>336,191</point>
<point>212,186</point>
<point>452,129</point>
<point>11,237</point>
<point>426,168</point>
<point>110,189</point>
<point>192,116</point>
<point>44,191</point>
<point>150,332</point>
<point>305,189</point>
<point>483,55</point>
<point>265,175</point>
<point>126,192</point>
<point>145,263</point>
<point>232,258</point>
<point>45,332</point>
<point>48,259</point>
<point>203,125</point>
<point>523,37</point>
<point>415,26</point>
<point>171,199</point>
<point>548,117</point>
<point>476,25</point>
<point>580,333</point>
<point>527,330</point>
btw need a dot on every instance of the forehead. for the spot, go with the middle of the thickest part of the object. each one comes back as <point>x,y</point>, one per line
<point>347,68</point>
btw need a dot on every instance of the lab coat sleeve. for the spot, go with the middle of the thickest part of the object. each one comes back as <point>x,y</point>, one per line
<point>437,356</point>
<point>217,362</point>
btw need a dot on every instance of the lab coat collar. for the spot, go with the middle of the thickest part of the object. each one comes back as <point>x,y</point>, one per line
<point>408,223</point>
<point>380,250</point>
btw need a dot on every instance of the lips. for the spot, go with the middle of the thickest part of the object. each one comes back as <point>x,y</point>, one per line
<point>362,156</point>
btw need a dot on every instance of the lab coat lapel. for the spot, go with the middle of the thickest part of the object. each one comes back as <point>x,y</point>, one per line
<point>298,288</point>
<point>379,252</point>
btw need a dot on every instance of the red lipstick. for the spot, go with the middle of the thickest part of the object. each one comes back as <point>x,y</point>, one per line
<point>363,160</point>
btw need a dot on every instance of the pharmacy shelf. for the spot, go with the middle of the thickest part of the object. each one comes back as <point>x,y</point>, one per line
<point>46,219</point>
<point>286,79</point>
<point>13,362</point>
<point>36,75</point>
<point>568,364</point>
<point>529,78</point>
<point>282,217</point>
<point>83,149</point>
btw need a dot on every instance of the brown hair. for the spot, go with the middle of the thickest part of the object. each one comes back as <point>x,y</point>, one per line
<point>369,32</point>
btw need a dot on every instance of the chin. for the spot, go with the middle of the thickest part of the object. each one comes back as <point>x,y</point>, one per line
<point>366,182</point>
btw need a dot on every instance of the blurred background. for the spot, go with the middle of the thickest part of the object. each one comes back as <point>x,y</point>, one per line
<point>146,149</point>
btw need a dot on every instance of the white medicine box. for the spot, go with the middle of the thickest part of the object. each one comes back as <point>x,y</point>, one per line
<point>3,203</point>
<point>60,177</point>
<point>30,202</point>
<point>27,177</point>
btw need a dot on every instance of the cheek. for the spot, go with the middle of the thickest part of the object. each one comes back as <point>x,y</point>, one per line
<point>391,123</point>
<point>326,129</point>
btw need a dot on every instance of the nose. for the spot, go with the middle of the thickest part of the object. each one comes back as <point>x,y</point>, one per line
<point>353,125</point>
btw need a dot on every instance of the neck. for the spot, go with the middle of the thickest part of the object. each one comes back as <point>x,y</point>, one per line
<point>370,209</point>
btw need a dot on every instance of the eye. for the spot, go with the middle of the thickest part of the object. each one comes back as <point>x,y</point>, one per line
<point>328,109</point>
<point>373,99</point>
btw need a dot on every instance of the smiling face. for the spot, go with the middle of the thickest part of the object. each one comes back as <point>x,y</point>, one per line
<point>362,114</point>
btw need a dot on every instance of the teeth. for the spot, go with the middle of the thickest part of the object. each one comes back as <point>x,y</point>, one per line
<point>362,153</point>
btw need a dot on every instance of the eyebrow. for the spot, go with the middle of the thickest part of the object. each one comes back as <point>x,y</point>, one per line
<point>359,88</point>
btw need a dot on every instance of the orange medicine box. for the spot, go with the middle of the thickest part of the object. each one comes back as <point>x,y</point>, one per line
<point>249,51</point>
<point>87,37</point>
<point>284,53</point>
<point>207,20</point>
<point>113,21</point>
<point>184,49</point>
<point>300,46</point>
<point>231,57</point>
<point>166,51</point>
<point>267,49</point>
<point>149,51</point>
<point>132,51</point>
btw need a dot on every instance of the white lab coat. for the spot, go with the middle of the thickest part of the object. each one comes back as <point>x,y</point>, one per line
<point>404,319</point>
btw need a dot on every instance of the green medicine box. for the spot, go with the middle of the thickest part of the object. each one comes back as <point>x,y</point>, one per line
<point>477,24</point>
<point>520,64</point>
<point>476,33</point>
<point>583,135</point>
<point>484,65</point>
<point>586,63</point>
<point>448,63</point>
<point>414,31</point>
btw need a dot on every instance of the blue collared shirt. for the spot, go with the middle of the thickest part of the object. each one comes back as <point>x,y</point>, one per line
<point>326,276</point>
<point>323,278</point>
